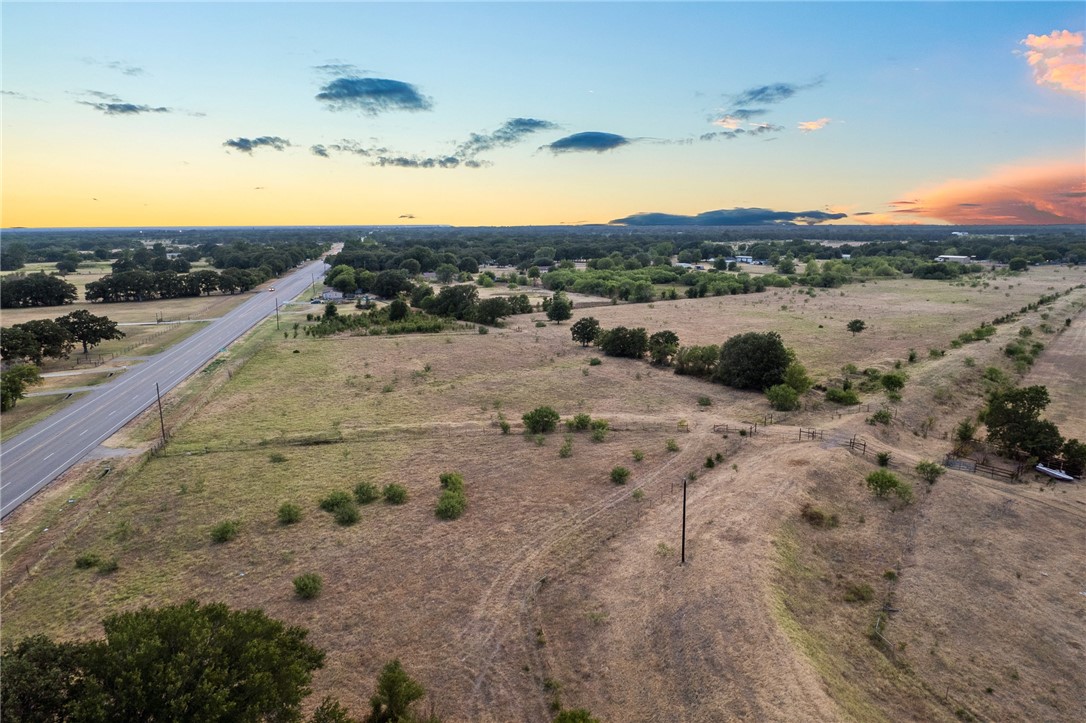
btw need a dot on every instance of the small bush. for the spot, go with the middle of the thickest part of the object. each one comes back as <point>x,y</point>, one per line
<point>107,566</point>
<point>277,458</point>
<point>452,481</point>
<point>366,492</point>
<point>335,500</point>
<point>904,492</point>
<point>289,514</point>
<point>540,324</point>
<point>883,458</point>
<point>783,398</point>
<point>704,402</point>
<point>817,518</point>
<point>504,426</point>
<point>394,494</point>
<point>638,494</point>
<point>929,471</point>
<point>672,445</point>
<point>842,396</point>
<point>882,482</point>
<point>620,475</point>
<point>638,455</point>
<point>308,586</point>
<point>599,435</point>
<point>87,560</point>
<point>541,420</point>
<point>882,416</point>
<point>594,361</point>
<point>483,329</point>
<point>859,593</point>
<point>346,514</point>
<point>890,575</point>
<point>225,531</point>
<point>709,463</point>
<point>451,504</point>
<point>913,356</point>
<point>566,450</point>
<point>579,423</point>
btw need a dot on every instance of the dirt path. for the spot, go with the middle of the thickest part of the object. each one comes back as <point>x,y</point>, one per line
<point>1062,368</point>
<point>643,638</point>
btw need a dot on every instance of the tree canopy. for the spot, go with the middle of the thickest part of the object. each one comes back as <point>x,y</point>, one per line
<point>754,360</point>
<point>88,329</point>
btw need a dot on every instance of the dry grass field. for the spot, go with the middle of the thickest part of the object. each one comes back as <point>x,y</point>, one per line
<point>559,588</point>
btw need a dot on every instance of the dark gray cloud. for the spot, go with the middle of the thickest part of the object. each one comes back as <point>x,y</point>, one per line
<point>588,141</point>
<point>864,213</point>
<point>465,154</point>
<point>248,145</point>
<point>511,132</point>
<point>731,217</point>
<point>121,108</point>
<point>19,96</point>
<point>1072,194</point>
<point>407,215</point>
<point>722,135</point>
<point>772,93</point>
<point>763,128</point>
<point>372,95</point>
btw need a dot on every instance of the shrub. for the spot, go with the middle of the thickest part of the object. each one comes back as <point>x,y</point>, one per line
<point>335,500</point>
<point>882,482</point>
<point>638,455</point>
<point>709,463</point>
<point>451,481</point>
<point>594,361</point>
<point>894,382</point>
<point>107,566</point>
<point>451,504</point>
<point>366,492</point>
<point>859,593</point>
<point>883,458</point>
<point>620,475</point>
<point>782,397</point>
<point>882,416</point>
<point>904,492</point>
<point>504,426</point>
<point>965,430</point>
<point>540,420</point>
<point>929,471</point>
<point>566,450</point>
<point>672,445</point>
<point>704,401</point>
<point>346,514</point>
<point>394,494</point>
<point>483,329</point>
<point>308,585</point>
<point>87,560</point>
<point>289,514</point>
<point>277,458</point>
<point>225,531</point>
<point>842,396</point>
<point>752,361</point>
<point>817,518</point>
<point>580,422</point>
<point>913,356</point>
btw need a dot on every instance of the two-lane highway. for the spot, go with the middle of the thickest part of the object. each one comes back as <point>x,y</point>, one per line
<point>33,459</point>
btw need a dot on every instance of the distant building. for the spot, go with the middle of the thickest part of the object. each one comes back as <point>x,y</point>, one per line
<point>744,259</point>
<point>955,259</point>
<point>332,295</point>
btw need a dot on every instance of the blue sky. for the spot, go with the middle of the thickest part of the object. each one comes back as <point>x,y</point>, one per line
<point>117,114</point>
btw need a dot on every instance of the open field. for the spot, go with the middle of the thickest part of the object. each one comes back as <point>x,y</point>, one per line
<point>559,587</point>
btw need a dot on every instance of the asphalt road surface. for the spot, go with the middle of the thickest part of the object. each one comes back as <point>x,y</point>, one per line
<point>36,457</point>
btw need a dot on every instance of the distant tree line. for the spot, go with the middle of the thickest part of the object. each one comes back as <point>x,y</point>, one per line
<point>147,285</point>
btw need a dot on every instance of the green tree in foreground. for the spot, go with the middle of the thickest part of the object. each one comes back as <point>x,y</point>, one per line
<point>585,330</point>
<point>753,360</point>
<point>177,663</point>
<point>662,347</point>
<point>88,329</point>
<point>560,308</point>
<point>14,382</point>
<point>856,326</point>
<point>396,691</point>
<point>929,471</point>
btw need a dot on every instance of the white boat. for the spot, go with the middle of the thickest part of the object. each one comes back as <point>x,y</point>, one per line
<point>1054,473</point>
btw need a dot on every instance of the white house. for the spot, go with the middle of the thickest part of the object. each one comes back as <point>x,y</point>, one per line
<point>954,259</point>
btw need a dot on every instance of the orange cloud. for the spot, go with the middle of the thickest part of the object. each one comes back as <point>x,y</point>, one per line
<point>1058,60</point>
<point>815,125</point>
<point>1051,193</point>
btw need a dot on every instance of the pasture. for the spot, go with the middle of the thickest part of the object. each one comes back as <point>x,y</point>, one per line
<point>558,587</point>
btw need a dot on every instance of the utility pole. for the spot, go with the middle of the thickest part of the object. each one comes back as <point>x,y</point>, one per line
<point>683,555</point>
<point>277,313</point>
<point>161,420</point>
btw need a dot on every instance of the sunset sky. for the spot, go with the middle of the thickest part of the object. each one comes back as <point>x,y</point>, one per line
<point>201,114</point>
